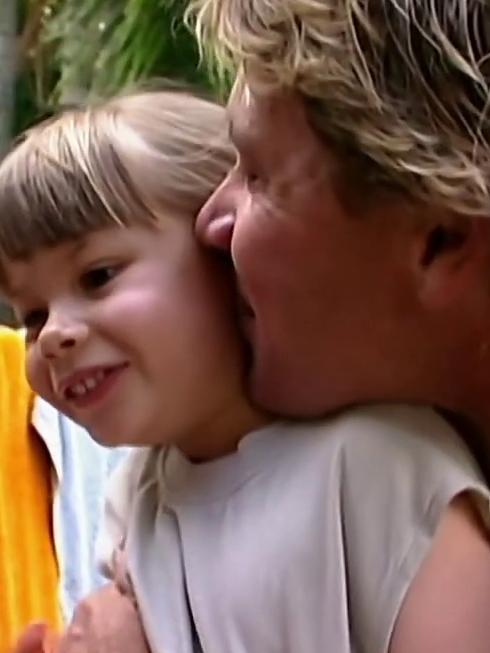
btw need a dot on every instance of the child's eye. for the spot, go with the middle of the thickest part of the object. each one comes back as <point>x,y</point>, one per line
<point>98,277</point>
<point>33,322</point>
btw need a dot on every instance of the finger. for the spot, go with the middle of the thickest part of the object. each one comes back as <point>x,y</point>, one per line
<point>31,640</point>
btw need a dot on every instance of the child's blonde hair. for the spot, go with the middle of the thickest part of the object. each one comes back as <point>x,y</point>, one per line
<point>126,161</point>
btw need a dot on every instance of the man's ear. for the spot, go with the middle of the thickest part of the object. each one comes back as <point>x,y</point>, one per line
<point>452,259</point>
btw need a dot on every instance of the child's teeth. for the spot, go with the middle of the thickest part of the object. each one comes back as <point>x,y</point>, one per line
<point>79,389</point>
<point>89,383</point>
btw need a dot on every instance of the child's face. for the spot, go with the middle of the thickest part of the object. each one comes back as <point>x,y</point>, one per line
<point>129,333</point>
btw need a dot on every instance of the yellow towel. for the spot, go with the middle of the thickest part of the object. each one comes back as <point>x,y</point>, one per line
<point>28,568</point>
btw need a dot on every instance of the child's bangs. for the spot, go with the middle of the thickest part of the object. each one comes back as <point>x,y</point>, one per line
<point>53,191</point>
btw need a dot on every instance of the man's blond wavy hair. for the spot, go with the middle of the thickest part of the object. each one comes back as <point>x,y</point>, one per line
<point>130,160</point>
<point>403,84</point>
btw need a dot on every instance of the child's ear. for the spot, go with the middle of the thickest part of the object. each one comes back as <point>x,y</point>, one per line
<point>452,258</point>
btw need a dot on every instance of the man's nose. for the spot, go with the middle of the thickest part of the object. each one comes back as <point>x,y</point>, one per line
<point>60,337</point>
<point>216,220</point>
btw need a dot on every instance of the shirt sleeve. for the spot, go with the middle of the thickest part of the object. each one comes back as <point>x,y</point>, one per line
<point>123,486</point>
<point>402,467</point>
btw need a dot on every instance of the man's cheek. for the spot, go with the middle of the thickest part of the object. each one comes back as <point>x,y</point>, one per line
<point>249,246</point>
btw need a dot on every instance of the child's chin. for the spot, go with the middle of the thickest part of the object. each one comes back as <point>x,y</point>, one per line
<point>105,440</point>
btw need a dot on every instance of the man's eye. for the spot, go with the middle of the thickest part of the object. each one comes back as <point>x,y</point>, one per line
<point>249,174</point>
<point>252,179</point>
<point>98,277</point>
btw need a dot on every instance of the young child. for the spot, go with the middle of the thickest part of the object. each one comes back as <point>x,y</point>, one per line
<point>239,533</point>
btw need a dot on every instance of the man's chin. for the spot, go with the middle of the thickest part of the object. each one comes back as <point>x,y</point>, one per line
<point>273,393</point>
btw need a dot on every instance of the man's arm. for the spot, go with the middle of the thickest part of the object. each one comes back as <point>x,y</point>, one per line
<point>447,609</point>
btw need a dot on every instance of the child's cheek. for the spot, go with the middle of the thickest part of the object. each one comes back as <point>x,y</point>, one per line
<point>37,372</point>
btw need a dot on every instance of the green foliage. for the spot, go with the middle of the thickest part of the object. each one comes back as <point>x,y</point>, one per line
<point>100,46</point>
<point>87,49</point>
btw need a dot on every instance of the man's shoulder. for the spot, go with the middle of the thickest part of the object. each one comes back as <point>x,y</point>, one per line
<point>386,431</point>
<point>391,422</point>
<point>407,488</point>
<point>407,453</point>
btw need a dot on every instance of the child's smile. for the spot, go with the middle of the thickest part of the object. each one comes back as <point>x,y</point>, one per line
<point>128,333</point>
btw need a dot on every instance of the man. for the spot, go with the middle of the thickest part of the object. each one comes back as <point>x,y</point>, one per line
<point>357,219</point>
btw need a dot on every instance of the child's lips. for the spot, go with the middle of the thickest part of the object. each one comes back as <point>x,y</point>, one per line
<point>94,390</point>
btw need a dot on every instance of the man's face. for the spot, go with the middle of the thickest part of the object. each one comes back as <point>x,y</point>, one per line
<point>321,287</point>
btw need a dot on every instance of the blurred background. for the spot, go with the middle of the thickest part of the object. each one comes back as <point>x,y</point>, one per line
<point>56,53</point>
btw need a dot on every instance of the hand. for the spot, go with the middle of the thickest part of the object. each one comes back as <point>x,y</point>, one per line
<point>36,638</point>
<point>31,640</point>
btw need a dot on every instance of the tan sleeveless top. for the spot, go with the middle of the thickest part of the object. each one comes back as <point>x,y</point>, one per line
<point>304,540</point>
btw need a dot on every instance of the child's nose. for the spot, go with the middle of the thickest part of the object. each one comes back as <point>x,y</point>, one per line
<point>57,339</point>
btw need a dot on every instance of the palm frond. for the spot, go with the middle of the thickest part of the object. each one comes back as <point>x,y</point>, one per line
<point>97,47</point>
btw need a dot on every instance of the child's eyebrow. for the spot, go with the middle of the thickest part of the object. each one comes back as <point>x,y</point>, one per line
<point>74,249</point>
<point>77,246</point>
